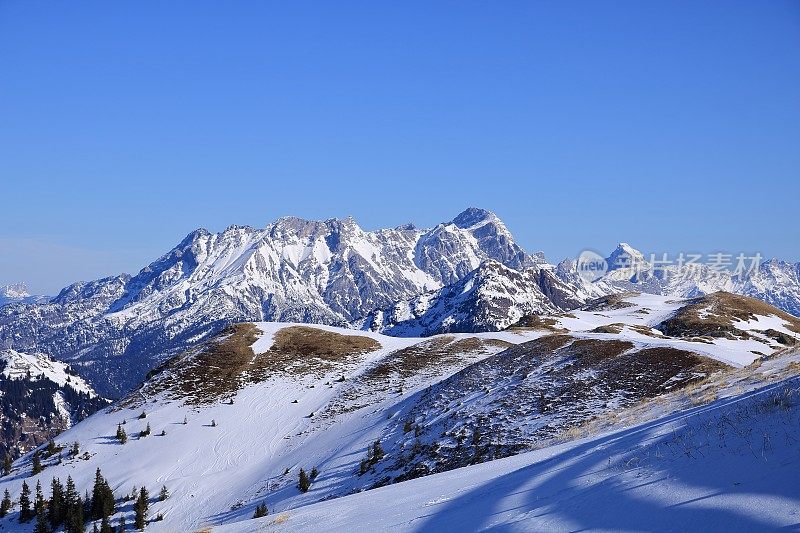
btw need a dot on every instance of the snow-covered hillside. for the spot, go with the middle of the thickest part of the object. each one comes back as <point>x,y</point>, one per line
<point>41,398</point>
<point>233,421</point>
<point>728,466</point>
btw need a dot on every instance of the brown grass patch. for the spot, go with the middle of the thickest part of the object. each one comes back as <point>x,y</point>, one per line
<point>644,330</point>
<point>300,349</point>
<point>590,352</point>
<point>537,322</point>
<point>610,302</point>
<point>615,328</point>
<point>221,367</point>
<point>438,351</point>
<point>715,315</point>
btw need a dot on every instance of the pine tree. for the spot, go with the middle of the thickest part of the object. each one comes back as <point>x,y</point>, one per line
<point>76,523</point>
<point>94,528</point>
<point>73,509</point>
<point>39,505</point>
<point>314,473</point>
<point>140,508</point>
<point>304,483</point>
<point>102,502</point>
<point>25,513</point>
<point>261,510</point>
<point>7,465</point>
<point>213,423</point>
<point>145,432</point>
<point>377,451</point>
<point>55,508</point>
<point>122,437</point>
<point>121,526</point>
<point>51,448</point>
<point>76,449</point>
<point>164,494</point>
<point>42,526</point>
<point>37,463</point>
<point>5,505</point>
<point>105,525</point>
<point>185,421</point>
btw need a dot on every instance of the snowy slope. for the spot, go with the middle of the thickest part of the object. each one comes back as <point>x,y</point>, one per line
<point>18,365</point>
<point>728,466</point>
<point>210,470</point>
<point>304,406</point>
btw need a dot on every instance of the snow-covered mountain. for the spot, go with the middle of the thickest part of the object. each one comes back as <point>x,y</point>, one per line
<point>329,272</point>
<point>467,274</point>
<point>229,424</point>
<point>490,298</point>
<point>773,281</point>
<point>18,293</point>
<point>41,398</point>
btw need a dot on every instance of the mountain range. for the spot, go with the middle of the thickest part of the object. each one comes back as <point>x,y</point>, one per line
<point>464,275</point>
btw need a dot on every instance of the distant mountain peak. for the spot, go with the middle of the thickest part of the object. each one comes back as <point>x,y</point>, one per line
<point>15,290</point>
<point>472,216</point>
<point>625,256</point>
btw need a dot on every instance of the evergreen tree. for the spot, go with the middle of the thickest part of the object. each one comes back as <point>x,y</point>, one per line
<point>5,505</point>
<point>105,525</point>
<point>140,509</point>
<point>261,510</point>
<point>56,509</point>
<point>314,473</point>
<point>7,465</point>
<point>213,423</point>
<point>102,502</point>
<point>94,528</point>
<point>37,463</point>
<point>87,505</point>
<point>164,494</point>
<point>25,513</point>
<point>304,484</point>
<point>51,448</point>
<point>377,451</point>
<point>39,505</point>
<point>122,437</point>
<point>76,449</point>
<point>73,509</point>
<point>121,526</point>
<point>42,526</point>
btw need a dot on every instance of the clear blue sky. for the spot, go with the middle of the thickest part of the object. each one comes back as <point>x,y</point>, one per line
<point>124,125</point>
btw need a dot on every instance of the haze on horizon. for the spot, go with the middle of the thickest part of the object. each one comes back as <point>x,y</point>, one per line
<point>670,125</point>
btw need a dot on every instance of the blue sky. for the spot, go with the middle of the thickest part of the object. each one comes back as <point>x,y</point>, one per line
<point>124,125</point>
